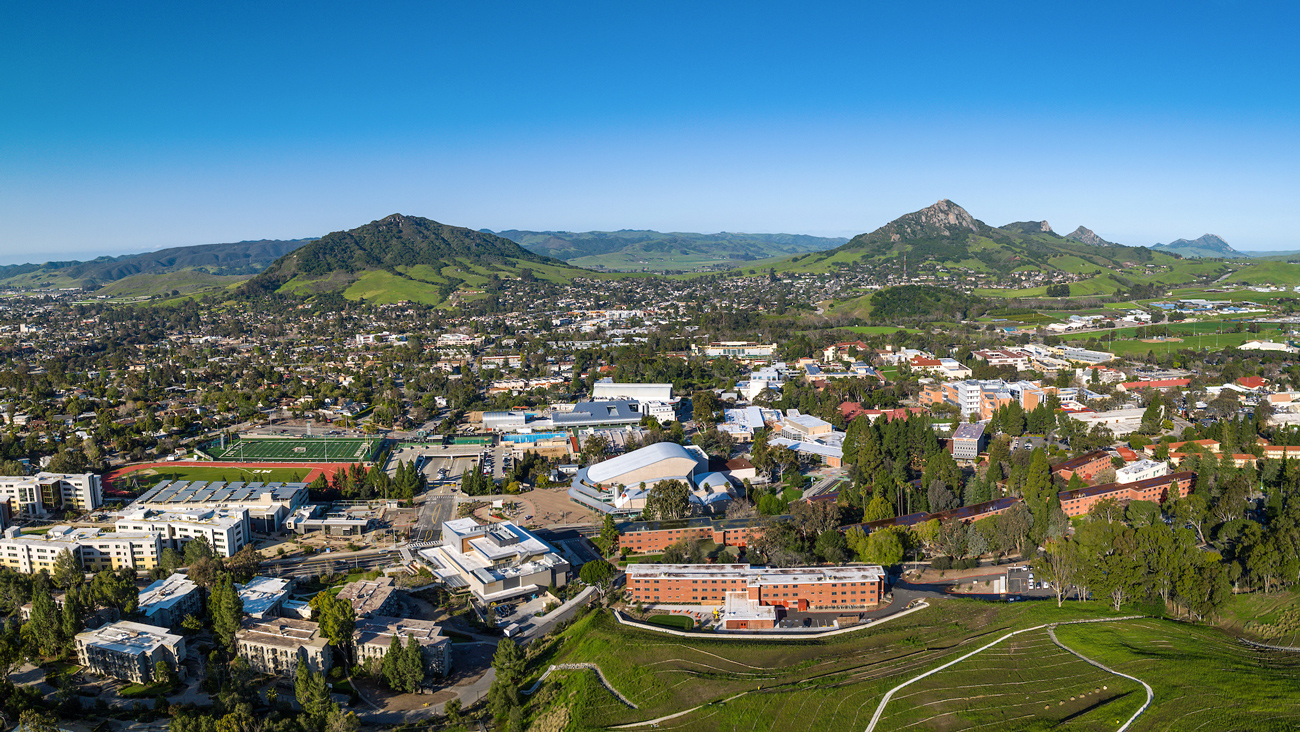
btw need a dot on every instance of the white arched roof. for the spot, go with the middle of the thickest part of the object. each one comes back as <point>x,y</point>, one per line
<point>611,469</point>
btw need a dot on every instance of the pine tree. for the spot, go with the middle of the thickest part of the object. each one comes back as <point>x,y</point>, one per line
<point>71,623</point>
<point>42,631</point>
<point>67,570</point>
<point>390,664</point>
<point>412,665</point>
<point>226,608</point>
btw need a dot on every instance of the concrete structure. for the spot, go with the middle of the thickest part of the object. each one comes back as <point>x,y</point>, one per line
<point>129,651</point>
<point>227,530</point>
<point>607,390</point>
<point>268,504</point>
<point>37,495</point>
<point>495,561</point>
<point>93,549</point>
<point>802,588</point>
<point>744,350</point>
<point>804,427</point>
<point>373,636</point>
<point>166,602</point>
<point>1156,490</point>
<point>968,442</point>
<point>276,646</point>
<point>1119,421</point>
<point>742,613</point>
<point>337,522</point>
<point>1086,466</point>
<point>1141,470</point>
<point>620,484</point>
<point>371,597</point>
<point>264,596</point>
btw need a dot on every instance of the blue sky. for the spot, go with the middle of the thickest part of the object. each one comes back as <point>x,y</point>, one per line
<point>129,127</point>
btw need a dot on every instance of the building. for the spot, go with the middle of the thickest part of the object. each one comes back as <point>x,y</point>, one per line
<point>620,484</point>
<point>264,596</point>
<point>1268,346</point>
<point>1156,490</point>
<point>1004,357</point>
<point>804,427</point>
<point>1086,356</point>
<point>1119,421</point>
<point>37,495</point>
<point>653,537</point>
<point>968,442</point>
<point>1141,470</point>
<point>335,522</point>
<point>275,646</point>
<point>94,550</point>
<point>268,504</point>
<point>129,651</point>
<point>741,613</point>
<point>607,390</point>
<point>375,635</point>
<point>1085,466</point>
<point>598,414</point>
<point>227,530</point>
<point>32,553</point>
<point>495,561</point>
<point>1161,384</point>
<point>165,603</point>
<point>801,588</point>
<point>970,397</point>
<point>736,349</point>
<point>965,514</point>
<point>371,597</point>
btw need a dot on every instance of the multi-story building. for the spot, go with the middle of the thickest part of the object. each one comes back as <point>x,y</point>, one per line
<point>606,389</point>
<point>653,537</point>
<point>129,651</point>
<point>264,596</point>
<point>968,442</point>
<point>804,427</point>
<point>735,349</point>
<point>1156,490</point>
<point>1004,357</point>
<point>166,602</point>
<point>1085,466</point>
<point>35,552</point>
<point>495,561</point>
<point>374,636</point>
<point>91,548</point>
<point>226,529</point>
<point>268,504</point>
<point>275,646</point>
<point>37,495</point>
<point>371,597</point>
<point>802,588</point>
<point>1141,470</point>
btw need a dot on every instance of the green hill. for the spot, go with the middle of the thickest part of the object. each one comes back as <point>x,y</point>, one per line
<point>403,258</point>
<point>1208,245</point>
<point>644,250</point>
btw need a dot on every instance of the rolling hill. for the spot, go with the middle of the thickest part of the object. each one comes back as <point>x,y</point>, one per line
<point>644,250</point>
<point>402,258</point>
<point>240,258</point>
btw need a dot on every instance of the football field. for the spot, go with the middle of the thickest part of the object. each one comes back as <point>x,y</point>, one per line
<point>299,450</point>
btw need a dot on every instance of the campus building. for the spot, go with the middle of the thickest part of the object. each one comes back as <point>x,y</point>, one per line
<point>371,597</point>
<point>93,549</point>
<point>129,651</point>
<point>622,484</point>
<point>264,596</point>
<point>275,646</point>
<point>1156,490</point>
<point>801,588</point>
<point>743,350</point>
<point>375,635</point>
<point>37,495</point>
<point>1086,466</point>
<point>268,504</point>
<point>1141,470</point>
<point>496,561</point>
<point>226,529</point>
<point>653,537</point>
<point>968,442</point>
<point>165,603</point>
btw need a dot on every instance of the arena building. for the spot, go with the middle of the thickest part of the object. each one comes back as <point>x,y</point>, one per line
<point>621,484</point>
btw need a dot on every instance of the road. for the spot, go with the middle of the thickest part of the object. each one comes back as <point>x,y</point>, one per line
<point>438,507</point>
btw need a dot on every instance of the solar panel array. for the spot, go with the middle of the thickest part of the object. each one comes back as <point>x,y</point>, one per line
<point>202,491</point>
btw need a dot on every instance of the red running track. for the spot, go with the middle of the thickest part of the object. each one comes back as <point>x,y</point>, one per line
<point>313,469</point>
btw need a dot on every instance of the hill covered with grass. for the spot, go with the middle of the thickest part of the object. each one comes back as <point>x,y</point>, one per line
<point>645,250</point>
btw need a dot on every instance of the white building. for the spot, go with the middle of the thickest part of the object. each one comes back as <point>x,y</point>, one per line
<point>167,601</point>
<point>607,390</point>
<point>495,561</point>
<point>129,651</point>
<point>227,530</point>
<point>37,495</point>
<point>1268,346</point>
<point>267,504</point>
<point>1119,421</point>
<point>1141,470</point>
<point>264,596</point>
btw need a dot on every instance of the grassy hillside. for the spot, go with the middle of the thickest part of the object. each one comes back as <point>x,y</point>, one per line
<point>633,250</point>
<point>183,283</point>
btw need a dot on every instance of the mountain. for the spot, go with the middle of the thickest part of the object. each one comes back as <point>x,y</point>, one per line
<point>239,258</point>
<point>631,249</point>
<point>1089,237</point>
<point>1208,246</point>
<point>946,235</point>
<point>402,258</point>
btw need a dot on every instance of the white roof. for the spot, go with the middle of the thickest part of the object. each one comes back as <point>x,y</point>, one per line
<point>636,460</point>
<point>165,592</point>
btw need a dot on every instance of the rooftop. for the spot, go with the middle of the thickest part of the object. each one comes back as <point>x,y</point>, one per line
<point>165,592</point>
<point>282,632</point>
<point>368,596</point>
<point>128,637</point>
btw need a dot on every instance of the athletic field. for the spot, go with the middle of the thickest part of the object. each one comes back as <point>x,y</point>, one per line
<point>297,450</point>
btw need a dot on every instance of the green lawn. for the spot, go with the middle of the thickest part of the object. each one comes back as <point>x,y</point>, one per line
<point>313,450</point>
<point>679,622</point>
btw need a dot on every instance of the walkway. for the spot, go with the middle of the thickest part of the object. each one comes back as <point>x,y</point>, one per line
<point>577,666</point>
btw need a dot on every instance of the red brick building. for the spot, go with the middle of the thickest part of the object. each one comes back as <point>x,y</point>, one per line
<point>1086,466</point>
<point>1156,490</point>
<point>802,588</point>
<point>652,537</point>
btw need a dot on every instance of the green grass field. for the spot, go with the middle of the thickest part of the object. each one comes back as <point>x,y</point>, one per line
<point>678,622</point>
<point>1267,273</point>
<point>228,473</point>
<point>1195,336</point>
<point>313,450</point>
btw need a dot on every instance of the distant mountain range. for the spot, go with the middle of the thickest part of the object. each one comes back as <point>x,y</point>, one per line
<point>1206,246</point>
<point>239,258</point>
<point>633,249</point>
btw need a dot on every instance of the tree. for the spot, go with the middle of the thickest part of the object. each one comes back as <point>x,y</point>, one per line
<point>115,590</point>
<point>1058,565</point>
<point>226,609</point>
<point>503,696</point>
<point>879,508</point>
<point>246,563</point>
<point>42,633</point>
<point>598,574</point>
<point>32,720</point>
<point>162,673</point>
<point>196,549</point>
<point>609,535</point>
<point>312,692</point>
<point>669,499</point>
<point>337,621</point>
<point>883,547</point>
<point>411,665</point>
<point>338,720</point>
<point>67,570</point>
<point>452,711</point>
<point>392,674</point>
<point>71,622</point>
<point>831,546</point>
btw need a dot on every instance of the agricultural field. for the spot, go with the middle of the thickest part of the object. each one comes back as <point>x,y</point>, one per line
<point>311,450</point>
<point>1020,683</point>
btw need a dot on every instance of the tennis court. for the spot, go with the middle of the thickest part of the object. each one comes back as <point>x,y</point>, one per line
<point>298,450</point>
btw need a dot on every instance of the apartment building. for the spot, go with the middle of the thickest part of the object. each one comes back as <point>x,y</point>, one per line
<point>166,602</point>
<point>37,495</point>
<point>1156,490</point>
<point>129,651</point>
<point>653,537</point>
<point>35,552</point>
<point>1086,466</point>
<point>371,597</point>
<point>93,549</point>
<point>374,636</point>
<point>226,529</point>
<point>802,588</point>
<point>275,646</point>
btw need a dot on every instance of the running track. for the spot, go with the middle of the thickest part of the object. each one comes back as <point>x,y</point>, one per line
<point>313,469</point>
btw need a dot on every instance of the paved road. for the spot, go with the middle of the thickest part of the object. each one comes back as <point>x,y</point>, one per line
<point>438,507</point>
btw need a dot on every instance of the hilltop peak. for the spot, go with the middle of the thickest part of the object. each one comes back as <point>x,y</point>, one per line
<point>1029,227</point>
<point>1207,245</point>
<point>1087,236</point>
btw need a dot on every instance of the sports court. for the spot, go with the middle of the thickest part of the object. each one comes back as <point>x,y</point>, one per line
<point>297,450</point>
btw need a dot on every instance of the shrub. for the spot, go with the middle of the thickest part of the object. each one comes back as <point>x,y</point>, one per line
<point>941,563</point>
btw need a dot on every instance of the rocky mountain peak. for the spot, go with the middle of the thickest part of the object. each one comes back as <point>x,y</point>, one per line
<point>1087,236</point>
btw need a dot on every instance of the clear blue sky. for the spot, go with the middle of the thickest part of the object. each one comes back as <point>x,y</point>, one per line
<point>132,126</point>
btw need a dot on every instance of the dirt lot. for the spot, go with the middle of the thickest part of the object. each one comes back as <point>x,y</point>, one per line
<point>551,506</point>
